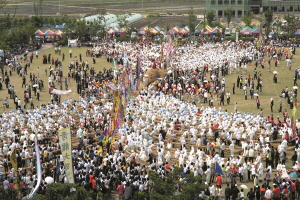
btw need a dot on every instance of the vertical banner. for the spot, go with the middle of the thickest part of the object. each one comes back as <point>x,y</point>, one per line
<point>13,160</point>
<point>14,163</point>
<point>64,136</point>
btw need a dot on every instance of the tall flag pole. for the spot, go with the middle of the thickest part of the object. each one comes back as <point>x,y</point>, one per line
<point>39,168</point>
<point>293,124</point>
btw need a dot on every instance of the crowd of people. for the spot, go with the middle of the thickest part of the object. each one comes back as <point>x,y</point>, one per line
<point>162,127</point>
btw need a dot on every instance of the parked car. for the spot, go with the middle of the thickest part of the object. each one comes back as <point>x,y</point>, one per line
<point>227,32</point>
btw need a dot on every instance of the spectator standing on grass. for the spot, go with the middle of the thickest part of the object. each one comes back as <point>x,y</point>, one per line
<point>6,100</point>
<point>271,104</point>
<point>235,107</point>
<point>228,97</point>
<point>257,102</point>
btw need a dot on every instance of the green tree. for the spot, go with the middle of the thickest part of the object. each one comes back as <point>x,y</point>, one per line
<point>247,18</point>
<point>38,21</point>
<point>66,191</point>
<point>98,27</point>
<point>192,20</point>
<point>268,20</point>
<point>277,25</point>
<point>122,21</point>
<point>80,28</point>
<point>291,23</point>
<point>190,185</point>
<point>161,189</point>
<point>3,3</point>
<point>210,16</point>
<point>204,19</point>
<point>228,14</point>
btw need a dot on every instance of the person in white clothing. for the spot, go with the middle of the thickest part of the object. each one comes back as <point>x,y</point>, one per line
<point>268,193</point>
<point>231,147</point>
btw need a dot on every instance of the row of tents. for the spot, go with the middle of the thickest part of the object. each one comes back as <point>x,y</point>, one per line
<point>175,30</point>
<point>49,32</point>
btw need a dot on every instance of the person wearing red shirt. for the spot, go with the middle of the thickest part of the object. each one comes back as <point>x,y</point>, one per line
<point>120,190</point>
<point>199,111</point>
<point>91,176</point>
<point>219,181</point>
<point>285,193</point>
<point>293,189</point>
<point>167,166</point>
<point>175,126</point>
<point>12,186</point>
<point>212,128</point>
<point>93,185</point>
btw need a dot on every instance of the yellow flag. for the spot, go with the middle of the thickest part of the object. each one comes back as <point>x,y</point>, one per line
<point>112,142</point>
<point>13,160</point>
<point>100,150</point>
<point>294,111</point>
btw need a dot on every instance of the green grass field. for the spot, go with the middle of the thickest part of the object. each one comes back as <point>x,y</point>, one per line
<point>270,89</point>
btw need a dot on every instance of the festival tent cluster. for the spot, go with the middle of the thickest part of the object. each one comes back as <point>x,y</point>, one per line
<point>210,30</point>
<point>248,30</point>
<point>49,32</point>
<point>155,30</point>
<point>117,29</point>
<point>297,32</point>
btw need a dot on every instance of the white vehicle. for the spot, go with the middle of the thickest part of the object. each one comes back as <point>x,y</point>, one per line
<point>284,23</point>
<point>133,35</point>
<point>227,32</point>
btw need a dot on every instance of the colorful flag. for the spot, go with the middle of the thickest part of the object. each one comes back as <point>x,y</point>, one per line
<point>218,169</point>
<point>100,150</point>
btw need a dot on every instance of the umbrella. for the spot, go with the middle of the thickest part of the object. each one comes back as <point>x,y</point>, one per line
<point>35,85</point>
<point>244,187</point>
<point>205,81</point>
<point>256,95</point>
<point>296,167</point>
<point>293,175</point>
<point>296,88</point>
<point>275,72</point>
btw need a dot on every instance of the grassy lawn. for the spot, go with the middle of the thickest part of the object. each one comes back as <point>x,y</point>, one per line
<point>16,80</point>
<point>270,89</point>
